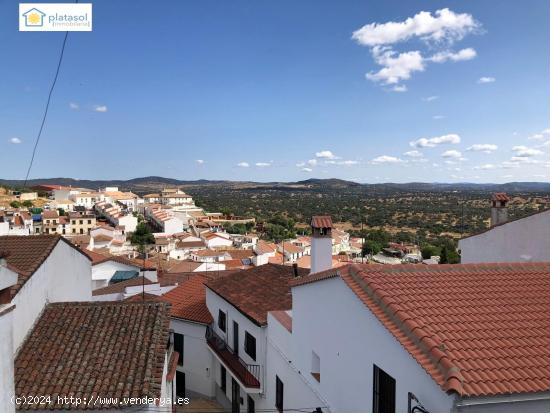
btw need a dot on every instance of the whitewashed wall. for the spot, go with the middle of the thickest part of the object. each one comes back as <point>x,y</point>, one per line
<point>7,388</point>
<point>516,241</point>
<point>64,276</point>
<point>330,320</point>
<point>197,359</point>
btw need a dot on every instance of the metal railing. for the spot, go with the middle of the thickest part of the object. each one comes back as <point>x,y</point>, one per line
<point>249,373</point>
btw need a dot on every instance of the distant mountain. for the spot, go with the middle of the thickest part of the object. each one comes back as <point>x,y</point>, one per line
<point>155,183</point>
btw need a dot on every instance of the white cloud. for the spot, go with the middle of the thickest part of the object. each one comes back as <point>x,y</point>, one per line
<point>546,131</point>
<point>395,67</point>
<point>200,161</point>
<point>536,137</point>
<point>312,162</point>
<point>443,25</point>
<point>438,140</point>
<point>438,117</point>
<point>452,154</point>
<point>414,154</point>
<point>461,55</point>
<point>485,166</point>
<point>100,108</point>
<point>386,159</point>
<point>399,88</point>
<point>486,79</point>
<point>482,147</point>
<point>430,98</point>
<point>300,164</point>
<point>306,169</point>
<point>524,151</point>
<point>348,163</point>
<point>325,155</point>
<point>523,159</point>
<point>74,106</point>
<point>243,164</point>
<point>15,141</point>
<point>263,164</point>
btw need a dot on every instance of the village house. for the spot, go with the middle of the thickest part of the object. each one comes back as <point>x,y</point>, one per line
<point>216,239</point>
<point>81,223</point>
<point>116,216</point>
<point>518,240</point>
<point>45,292</point>
<point>290,251</point>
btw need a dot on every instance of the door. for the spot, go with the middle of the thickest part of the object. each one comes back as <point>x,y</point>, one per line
<point>180,384</point>
<point>235,397</point>
<point>236,338</point>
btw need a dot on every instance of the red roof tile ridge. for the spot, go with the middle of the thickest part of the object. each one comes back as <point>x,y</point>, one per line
<point>428,343</point>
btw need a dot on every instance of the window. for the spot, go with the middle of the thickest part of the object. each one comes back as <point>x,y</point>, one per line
<point>250,345</point>
<point>81,222</point>
<point>89,222</point>
<point>315,366</point>
<point>223,379</point>
<point>178,346</point>
<point>383,392</point>
<point>279,389</point>
<point>251,407</point>
<point>221,320</point>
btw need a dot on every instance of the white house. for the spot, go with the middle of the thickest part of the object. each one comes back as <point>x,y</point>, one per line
<point>238,337</point>
<point>189,320</point>
<point>290,251</point>
<point>520,240</point>
<point>216,239</point>
<point>107,269</point>
<point>50,269</point>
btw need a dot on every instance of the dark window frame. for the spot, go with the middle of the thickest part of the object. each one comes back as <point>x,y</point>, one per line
<point>250,405</point>
<point>178,348</point>
<point>223,379</point>
<point>383,391</point>
<point>250,345</point>
<point>222,320</point>
<point>279,394</point>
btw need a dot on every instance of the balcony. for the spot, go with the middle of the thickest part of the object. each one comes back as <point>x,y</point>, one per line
<point>247,374</point>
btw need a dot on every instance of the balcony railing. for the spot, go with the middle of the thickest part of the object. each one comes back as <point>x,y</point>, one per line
<point>248,374</point>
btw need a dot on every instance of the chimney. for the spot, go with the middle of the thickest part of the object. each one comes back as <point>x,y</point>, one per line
<point>499,208</point>
<point>295,269</point>
<point>321,243</point>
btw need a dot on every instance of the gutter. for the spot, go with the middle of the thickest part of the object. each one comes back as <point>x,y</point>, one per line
<point>518,398</point>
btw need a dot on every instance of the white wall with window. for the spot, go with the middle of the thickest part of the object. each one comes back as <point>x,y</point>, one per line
<point>331,323</point>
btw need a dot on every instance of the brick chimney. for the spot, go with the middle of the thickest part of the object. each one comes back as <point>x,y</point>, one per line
<point>321,243</point>
<point>499,208</point>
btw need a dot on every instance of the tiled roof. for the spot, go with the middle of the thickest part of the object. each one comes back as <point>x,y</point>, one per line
<point>50,214</point>
<point>240,254</point>
<point>256,291</point>
<point>188,300</point>
<point>265,247</point>
<point>321,221</point>
<point>27,253</point>
<point>101,258</point>
<point>120,287</point>
<point>290,248</point>
<point>477,329</point>
<point>94,349</point>
<point>500,196</point>
<point>284,318</point>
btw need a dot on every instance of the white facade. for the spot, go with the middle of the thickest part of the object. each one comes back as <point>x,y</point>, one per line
<point>522,240</point>
<point>331,321</point>
<point>63,276</point>
<point>321,253</point>
<point>197,359</point>
<point>103,272</point>
<point>7,386</point>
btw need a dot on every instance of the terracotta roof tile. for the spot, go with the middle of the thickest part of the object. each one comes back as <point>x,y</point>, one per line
<point>321,221</point>
<point>103,349</point>
<point>256,291</point>
<point>188,300</point>
<point>477,329</point>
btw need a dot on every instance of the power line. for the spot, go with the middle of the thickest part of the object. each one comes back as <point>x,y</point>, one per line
<point>47,106</point>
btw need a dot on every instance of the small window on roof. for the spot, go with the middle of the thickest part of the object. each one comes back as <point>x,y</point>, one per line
<point>315,366</point>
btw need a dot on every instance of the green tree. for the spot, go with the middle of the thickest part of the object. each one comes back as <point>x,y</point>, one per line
<point>429,250</point>
<point>15,204</point>
<point>371,247</point>
<point>142,236</point>
<point>27,204</point>
<point>61,211</point>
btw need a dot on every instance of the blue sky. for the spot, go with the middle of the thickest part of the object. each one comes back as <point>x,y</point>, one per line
<point>284,90</point>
